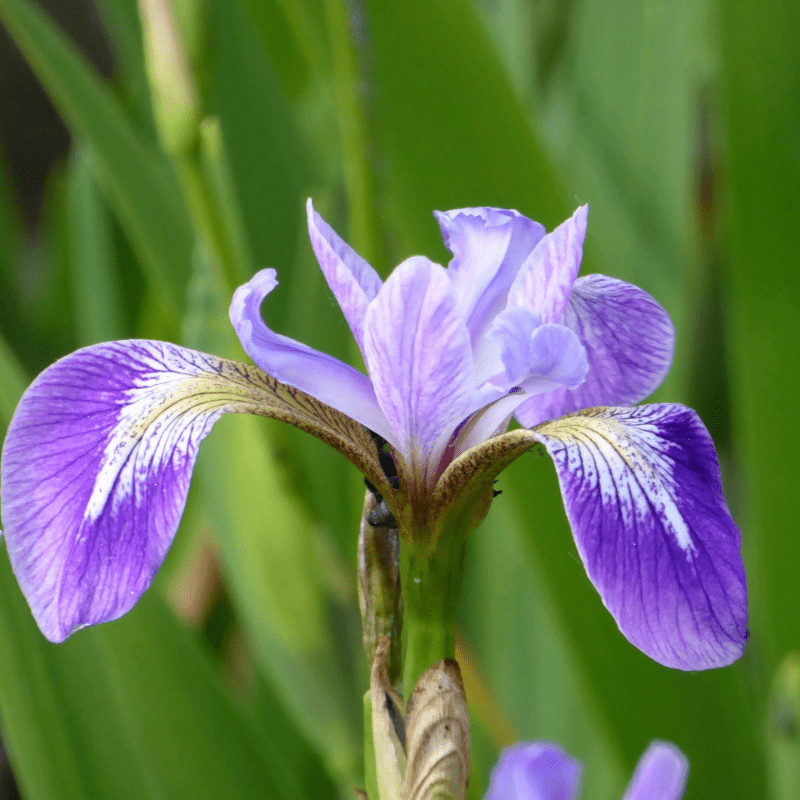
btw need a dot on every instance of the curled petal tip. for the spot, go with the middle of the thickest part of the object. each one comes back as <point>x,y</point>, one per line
<point>322,376</point>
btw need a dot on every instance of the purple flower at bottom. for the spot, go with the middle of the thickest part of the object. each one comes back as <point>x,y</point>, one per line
<point>543,771</point>
<point>98,457</point>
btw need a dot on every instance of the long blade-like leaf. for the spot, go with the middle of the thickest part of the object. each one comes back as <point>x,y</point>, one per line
<point>140,186</point>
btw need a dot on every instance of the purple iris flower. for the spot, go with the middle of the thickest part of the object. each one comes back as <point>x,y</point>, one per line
<point>98,457</point>
<point>543,771</point>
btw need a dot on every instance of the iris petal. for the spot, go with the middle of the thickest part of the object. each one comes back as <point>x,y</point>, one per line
<point>546,278</point>
<point>535,771</point>
<point>420,360</point>
<point>322,376</point>
<point>489,245</point>
<point>642,491</point>
<point>660,774</point>
<point>537,358</point>
<point>96,467</point>
<point>352,280</point>
<point>629,340</point>
<point>97,462</point>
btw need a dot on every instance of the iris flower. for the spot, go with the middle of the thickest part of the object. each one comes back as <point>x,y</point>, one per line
<point>98,457</point>
<point>543,771</point>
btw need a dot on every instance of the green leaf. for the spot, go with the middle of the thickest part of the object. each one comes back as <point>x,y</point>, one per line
<point>143,192</point>
<point>13,381</point>
<point>129,709</point>
<point>12,378</point>
<point>95,283</point>
<point>451,128</point>
<point>783,731</point>
<point>270,166</point>
<point>124,29</point>
<point>293,33</point>
<point>276,563</point>
<point>760,65</point>
<point>10,225</point>
<point>619,117</point>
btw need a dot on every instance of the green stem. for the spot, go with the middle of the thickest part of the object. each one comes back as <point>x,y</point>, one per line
<point>431,582</point>
<point>370,774</point>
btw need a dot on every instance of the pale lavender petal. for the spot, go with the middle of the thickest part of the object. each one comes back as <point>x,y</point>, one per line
<point>353,281</point>
<point>96,466</point>
<point>660,774</point>
<point>629,340</point>
<point>546,278</point>
<point>643,494</point>
<point>489,246</point>
<point>419,358</point>
<point>322,376</point>
<point>503,356</point>
<point>535,771</point>
<point>556,357</point>
<point>537,358</point>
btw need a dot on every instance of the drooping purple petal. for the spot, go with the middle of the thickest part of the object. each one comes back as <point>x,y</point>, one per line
<point>352,280</point>
<point>643,494</point>
<point>546,278</point>
<point>96,466</point>
<point>629,340</point>
<point>535,771</point>
<point>660,774</point>
<point>419,358</point>
<point>322,376</point>
<point>489,246</point>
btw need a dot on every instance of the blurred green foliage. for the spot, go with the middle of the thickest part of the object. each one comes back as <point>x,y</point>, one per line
<point>677,122</point>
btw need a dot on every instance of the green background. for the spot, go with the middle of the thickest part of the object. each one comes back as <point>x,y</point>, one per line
<point>240,674</point>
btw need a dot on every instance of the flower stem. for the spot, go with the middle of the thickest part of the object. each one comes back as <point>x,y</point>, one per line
<point>431,583</point>
<point>370,775</point>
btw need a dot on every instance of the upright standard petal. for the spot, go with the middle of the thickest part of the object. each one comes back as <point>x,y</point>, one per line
<point>352,280</point>
<point>97,461</point>
<point>322,376</point>
<point>419,358</point>
<point>643,494</point>
<point>629,339</point>
<point>546,278</point>
<point>489,245</point>
<point>660,774</point>
<point>535,771</point>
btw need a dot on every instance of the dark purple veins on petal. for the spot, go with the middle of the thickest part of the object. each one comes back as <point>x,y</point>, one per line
<point>629,340</point>
<point>642,491</point>
<point>96,466</point>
